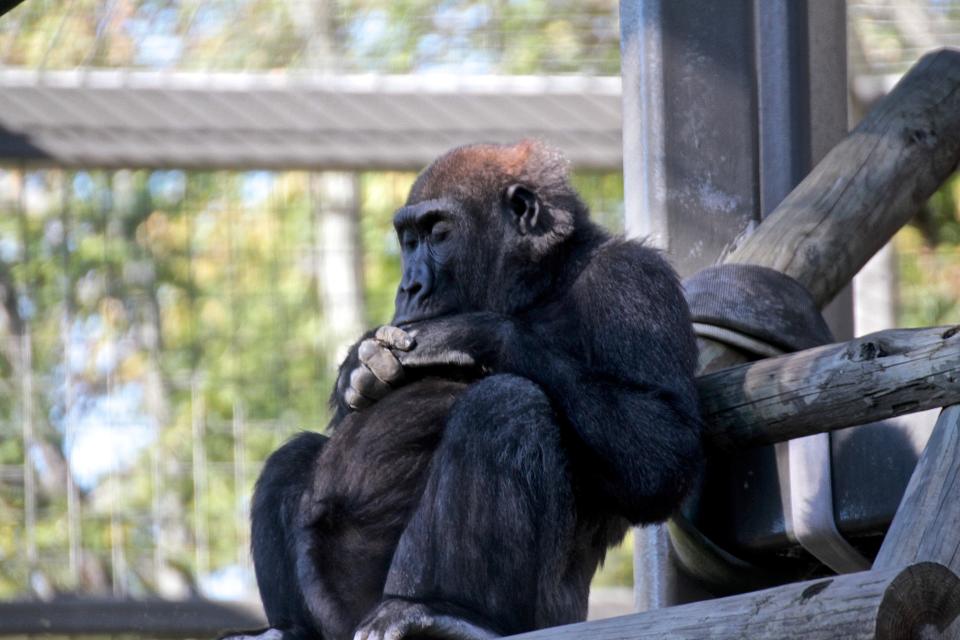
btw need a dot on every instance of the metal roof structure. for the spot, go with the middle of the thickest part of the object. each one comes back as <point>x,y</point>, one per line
<point>124,119</point>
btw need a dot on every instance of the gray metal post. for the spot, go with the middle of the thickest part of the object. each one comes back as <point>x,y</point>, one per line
<point>726,106</point>
<point>689,125</point>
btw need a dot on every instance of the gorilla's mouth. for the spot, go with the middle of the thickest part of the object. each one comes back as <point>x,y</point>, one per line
<point>410,317</point>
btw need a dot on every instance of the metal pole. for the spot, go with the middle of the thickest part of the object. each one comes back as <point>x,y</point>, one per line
<point>25,351</point>
<point>726,106</point>
<point>66,326</point>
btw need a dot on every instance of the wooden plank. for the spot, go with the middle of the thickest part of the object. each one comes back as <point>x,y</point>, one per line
<point>897,603</point>
<point>927,524</point>
<point>149,618</point>
<point>874,180</point>
<point>878,376</point>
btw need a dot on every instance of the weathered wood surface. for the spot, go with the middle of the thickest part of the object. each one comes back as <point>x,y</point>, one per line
<point>927,524</point>
<point>878,376</point>
<point>868,186</point>
<point>897,603</point>
<point>895,159</point>
<point>146,618</point>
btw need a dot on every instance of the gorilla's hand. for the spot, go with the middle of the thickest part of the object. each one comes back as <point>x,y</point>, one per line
<point>378,371</point>
<point>462,341</point>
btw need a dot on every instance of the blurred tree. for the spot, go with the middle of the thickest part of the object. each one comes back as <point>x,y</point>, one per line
<point>402,36</point>
<point>162,331</point>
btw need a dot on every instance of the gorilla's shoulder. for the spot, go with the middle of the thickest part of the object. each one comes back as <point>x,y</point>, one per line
<point>627,259</point>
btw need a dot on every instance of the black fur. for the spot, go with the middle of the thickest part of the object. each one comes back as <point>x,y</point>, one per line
<point>490,500</point>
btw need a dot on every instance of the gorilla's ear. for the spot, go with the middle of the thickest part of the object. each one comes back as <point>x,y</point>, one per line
<point>524,204</point>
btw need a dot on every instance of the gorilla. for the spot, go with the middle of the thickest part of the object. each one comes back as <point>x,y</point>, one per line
<point>533,396</point>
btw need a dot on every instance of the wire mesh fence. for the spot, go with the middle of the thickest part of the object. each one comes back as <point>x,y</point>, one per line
<point>163,332</point>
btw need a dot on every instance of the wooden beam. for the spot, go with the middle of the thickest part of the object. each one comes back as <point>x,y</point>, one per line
<point>868,186</point>
<point>878,376</point>
<point>898,603</point>
<point>895,159</point>
<point>148,618</point>
<point>927,524</point>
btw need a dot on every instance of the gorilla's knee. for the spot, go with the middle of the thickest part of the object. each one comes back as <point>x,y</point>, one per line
<point>502,400</point>
<point>505,417</point>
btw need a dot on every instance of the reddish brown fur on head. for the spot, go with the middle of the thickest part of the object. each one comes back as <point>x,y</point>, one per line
<point>476,171</point>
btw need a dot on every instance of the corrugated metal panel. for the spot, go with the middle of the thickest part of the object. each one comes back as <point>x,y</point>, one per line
<point>122,119</point>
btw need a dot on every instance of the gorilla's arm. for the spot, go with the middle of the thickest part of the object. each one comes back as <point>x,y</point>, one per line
<point>616,356</point>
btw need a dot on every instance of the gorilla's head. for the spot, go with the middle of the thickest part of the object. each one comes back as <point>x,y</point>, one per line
<point>481,228</point>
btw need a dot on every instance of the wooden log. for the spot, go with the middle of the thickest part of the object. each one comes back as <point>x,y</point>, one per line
<point>895,159</point>
<point>926,526</point>
<point>878,376</point>
<point>868,186</point>
<point>898,603</point>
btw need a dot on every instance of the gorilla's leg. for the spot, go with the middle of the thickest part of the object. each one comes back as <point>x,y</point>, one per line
<point>287,475</point>
<point>337,525</point>
<point>492,543</point>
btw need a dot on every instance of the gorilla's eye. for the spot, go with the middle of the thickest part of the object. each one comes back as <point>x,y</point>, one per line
<point>522,201</point>
<point>408,240</point>
<point>440,231</point>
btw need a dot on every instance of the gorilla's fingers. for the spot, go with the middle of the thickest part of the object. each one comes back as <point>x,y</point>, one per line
<point>395,338</point>
<point>354,400</point>
<point>367,384</point>
<point>437,358</point>
<point>396,619</point>
<point>380,361</point>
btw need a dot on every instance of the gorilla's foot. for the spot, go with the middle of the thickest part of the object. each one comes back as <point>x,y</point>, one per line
<point>399,619</point>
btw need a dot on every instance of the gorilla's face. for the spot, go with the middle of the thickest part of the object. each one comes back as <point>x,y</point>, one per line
<point>431,236</point>
<point>457,254</point>
<point>477,228</point>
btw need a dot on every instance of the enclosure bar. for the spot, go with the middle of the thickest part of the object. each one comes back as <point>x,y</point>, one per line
<point>141,618</point>
<point>66,323</point>
<point>896,603</point>
<point>239,429</point>
<point>198,431</point>
<point>882,375</point>
<point>119,577</point>
<point>25,352</point>
<point>875,179</point>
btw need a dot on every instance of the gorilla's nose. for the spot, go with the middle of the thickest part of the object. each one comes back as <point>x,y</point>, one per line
<point>412,289</point>
<point>417,280</point>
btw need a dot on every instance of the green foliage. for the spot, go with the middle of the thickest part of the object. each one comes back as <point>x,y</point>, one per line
<point>188,305</point>
<point>928,262</point>
<point>181,310</point>
<point>193,298</point>
<point>384,36</point>
<point>617,569</point>
<point>380,195</point>
<point>536,36</point>
<point>603,193</point>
